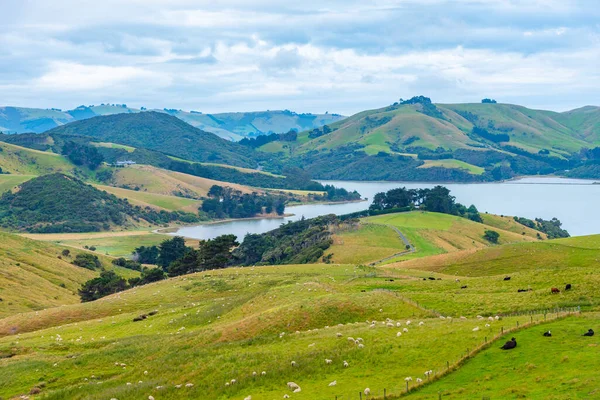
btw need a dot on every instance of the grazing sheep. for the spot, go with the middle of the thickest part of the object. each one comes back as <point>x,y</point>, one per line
<point>408,379</point>
<point>248,398</point>
<point>254,373</point>
<point>511,344</point>
<point>263,373</point>
<point>292,385</point>
<point>367,391</point>
<point>421,323</point>
<point>475,329</point>
<point>554,290</point>
<point>590,332</point>
<point>487,325</point>
<point>293,363</point>
<point>405,330</point>
<point>419,380</point>
<point>150,397</point>
<point>548,334</point>
<point>328,361</point>
<point>398,324</point>
<point>333,383</point>
<point>359,339</point>
<point>346,365</point>
<point>398,334</point>
<point>339,335</point>
<point>568,287</point>
<point>408,322</point>
<point>350,339</point>
<point>360,345</point>
<point>298,390</point>
<point>233,381</point>
<point>286,396</point>
<point>178,386</point>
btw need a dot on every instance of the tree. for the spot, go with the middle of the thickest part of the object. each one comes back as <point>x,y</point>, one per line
<point>88,261</point>
<point>146,255</point>
<point>107,283</point>
<point>439,200</point>
<point>66,253</point>
<point>491,236</point>
<point>170,250</point>
<point>488,101</point>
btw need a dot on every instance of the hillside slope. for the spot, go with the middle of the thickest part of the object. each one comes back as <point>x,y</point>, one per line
<point>35,275</point>
<point>231,126</point>
<point>161,132</point>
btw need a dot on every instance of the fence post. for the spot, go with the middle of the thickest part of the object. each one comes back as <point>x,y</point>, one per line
<point>360,394</point>
<point>517,324</point>
<point>384,393</point>
<point>447,364</point>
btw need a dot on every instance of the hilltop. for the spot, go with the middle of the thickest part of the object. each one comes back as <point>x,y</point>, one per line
<point>231,126</point>
<point>419,140</point>
<point>161,132</point>
<point>60,203</point>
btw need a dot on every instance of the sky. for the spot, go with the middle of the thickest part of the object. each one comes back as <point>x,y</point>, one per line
<point>306,56</point>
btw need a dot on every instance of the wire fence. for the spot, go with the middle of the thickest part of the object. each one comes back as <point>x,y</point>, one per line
<point>397,390</point>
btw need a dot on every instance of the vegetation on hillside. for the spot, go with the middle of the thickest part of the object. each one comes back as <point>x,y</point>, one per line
<point>59,203</point>
<point>224,202</point>
<point>552,228</point>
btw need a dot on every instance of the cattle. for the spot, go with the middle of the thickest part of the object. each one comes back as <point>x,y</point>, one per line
<point>547,334</point>
<point>554,290</point>
<point>463,287</point>
<point>590,332</point>
<point>431,278</point>
<point>524,290</point>
<point>507,278</point>
<point>511,344</point>
<point>568,287</point>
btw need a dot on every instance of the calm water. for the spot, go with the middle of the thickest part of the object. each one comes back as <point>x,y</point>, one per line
<point>575,202</point>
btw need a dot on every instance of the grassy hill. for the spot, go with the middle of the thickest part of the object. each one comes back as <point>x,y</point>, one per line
<point>24,161</point>
<point>161,132</point>
<point>417,140</point>
<point>231,126</point>
<point>34,275</point>
<point>224,325</point>
<point>430,234</point>
<point>59,203</point>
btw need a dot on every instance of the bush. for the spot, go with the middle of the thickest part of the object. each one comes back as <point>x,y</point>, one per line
<point>491,236</point>
<point>88,261</point>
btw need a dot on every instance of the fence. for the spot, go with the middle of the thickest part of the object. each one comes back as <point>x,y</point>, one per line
<point>395,391</point>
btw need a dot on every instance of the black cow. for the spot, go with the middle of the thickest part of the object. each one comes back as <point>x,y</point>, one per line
<point>511,344</point>
<point>507,278</point>
<point>548,334</point>
<point>568,287</point>
<point>589,333</point>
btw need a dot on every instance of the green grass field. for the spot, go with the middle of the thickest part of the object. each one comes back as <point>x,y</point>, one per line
<point>222,325</point>
<point>473,169</point>
<point>160,201</point>
<point>22,161</point>
<point>8,182</point>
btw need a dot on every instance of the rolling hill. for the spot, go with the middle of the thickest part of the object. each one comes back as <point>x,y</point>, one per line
<point>36,275</point>
<point>161,132</point>
<point>231,126</point>
<point>445,142</point>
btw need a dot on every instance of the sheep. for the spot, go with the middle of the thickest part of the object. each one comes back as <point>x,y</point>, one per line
<point>263,373</point>
<point>389,325</point>
<point>421,323</point>
<point>359,339</point>
<point>360,345</point>
<point>463,287</point>
<point>150,397</point>
<point>405,330</point>
<point>293,363</point>
<point>398,324</point>
<point>408,322</point>
<point>419,380</point>
<point>590,332</point>
<point>254,373</point>
<point>339,335</point>
<point>511,344</point>
<point>491,319</point>
<point>328,361</point>
<point>398,334</point>
<point>507,278</point>
<point>475,329</point>
<point>248,398</point>
<point>292,385</point>
<point>298,390</point>
<point>346,365</point>
<point>408,379</point>
<point>145,372</point>
<point>333,383</point>
<point>286,396</point>
<point>350,339</point>
<point>178,386</point>
<point>233,381</point>
<point>367,391</point>
<point>487,325</point>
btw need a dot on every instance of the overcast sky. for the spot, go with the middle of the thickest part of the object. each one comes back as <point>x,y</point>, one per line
<point>307,56</point>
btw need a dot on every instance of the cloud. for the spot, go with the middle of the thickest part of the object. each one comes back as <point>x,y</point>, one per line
<point>339,56</point>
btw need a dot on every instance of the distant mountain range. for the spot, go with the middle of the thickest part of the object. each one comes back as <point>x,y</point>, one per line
<point>231,126</point>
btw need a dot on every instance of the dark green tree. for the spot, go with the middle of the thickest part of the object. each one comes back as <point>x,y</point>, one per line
<point>170,250</point>
<point>491,236</point>
<point>107,283</point>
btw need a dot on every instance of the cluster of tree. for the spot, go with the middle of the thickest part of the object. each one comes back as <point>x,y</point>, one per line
<point>82,155</point>
<point>299,242</point>
<point>129,264</point>
<point>488,101</point>
<point>493,137</point>
<point>552,228</point>
<point>437,199</point>
<point>225,202</point>
<point>261,140</point>
<point>338,194</point>
<point>87,260</point>
<point>110,283</point>
<point>491,236</point>
<point>58,203</point>
<point>427,107</point>
<point>318,132</point>
<point>211,254</point>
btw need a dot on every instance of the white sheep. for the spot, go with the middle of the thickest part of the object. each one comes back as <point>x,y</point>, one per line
<point>491,319</point>
<point>390,325</point>
<point>233,381</point>
<point>475,329</point>
<point>254,373</point>
<point>248,398</point>
<point>333,383</point>
<point>487,325</point>
<point>367,391</point>
<point>293,363</point>
<point>263,373</point>
<point>421,323</point>
<point>398,334</point>
<point>360,345</point>
<point>286,396</point>
<point>398,324</point>
<point>298,390</point>
<point>150,397</point>
<point>188,385</point>
<point>339,335</point>
<point>328,361</point>
<point>346,364</point>
<point>405,330</point>
<point>350,339</point>
<point>292,385</point>
<point>178,386</point>
<point>360,340</point>
<point>408,322</point>
<point>419,380</point>
<point>408,379</point>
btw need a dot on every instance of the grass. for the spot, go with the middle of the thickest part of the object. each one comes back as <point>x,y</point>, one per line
<point>219,325</point>
<point>433,233</point>
<point>33,277</point>
<point>22,161</point>
<point>368,243</point>
<point>129,149</point>
<point>8,182</point>
<point>457,164</point>
<point>154,200</point>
